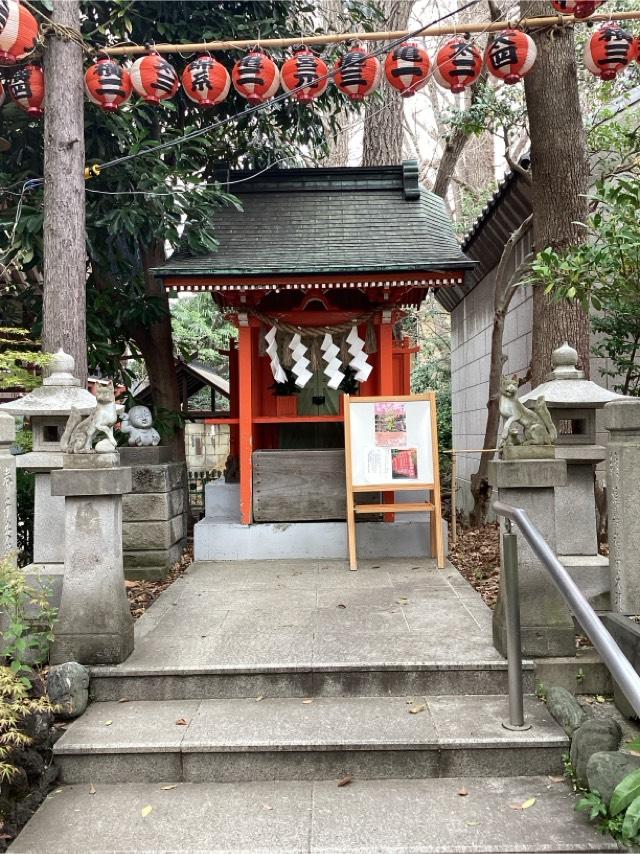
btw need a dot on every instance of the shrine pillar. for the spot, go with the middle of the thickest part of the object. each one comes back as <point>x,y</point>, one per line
<point>245,415</point>
<point>385,354</point>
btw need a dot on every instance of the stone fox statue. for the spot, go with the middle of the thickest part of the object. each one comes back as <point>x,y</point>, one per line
<point>536,423</point>
<point>79,433</point>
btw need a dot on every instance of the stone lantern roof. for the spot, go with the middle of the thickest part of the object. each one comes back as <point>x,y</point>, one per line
<point>567,387</point>
<point>58,393</point>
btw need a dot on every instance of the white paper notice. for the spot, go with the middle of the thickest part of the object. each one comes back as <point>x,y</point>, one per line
<point>378,465</point>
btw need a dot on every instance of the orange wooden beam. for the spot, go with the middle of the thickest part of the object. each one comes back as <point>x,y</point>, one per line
<point>245,414</point>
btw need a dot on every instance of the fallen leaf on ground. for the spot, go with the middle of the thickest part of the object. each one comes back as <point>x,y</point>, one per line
<point>340,605</point>
<point>419,707</point>
<point>267,806</point>
<point>463,792</point>
<point>182,722</point>
<point>528,803</point>
<point>307,701</point>
<point>600,699</point>
<point>123,700</point>
<point>345,780</point>
<point>261,697</point>
<point>144,812</point>
<point>170,786</point>
<point>556,779</point>
<point>108,723</point>
<point>472,823</point>
<point>92,789</point>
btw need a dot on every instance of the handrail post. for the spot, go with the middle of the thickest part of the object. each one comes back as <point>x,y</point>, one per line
<point>511,590</point>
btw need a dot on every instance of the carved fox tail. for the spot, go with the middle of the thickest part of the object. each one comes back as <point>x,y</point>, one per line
<point>74,419</point>
<point>545,417</point>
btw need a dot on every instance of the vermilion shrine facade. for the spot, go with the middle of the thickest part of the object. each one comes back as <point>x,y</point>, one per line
<point>339,252</point>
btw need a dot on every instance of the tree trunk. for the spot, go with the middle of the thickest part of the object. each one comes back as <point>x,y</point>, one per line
<point>65,267</point>
<point>156,345</point>
<point>505,288</point>
<point>560,173</point>
<point>383,118</point>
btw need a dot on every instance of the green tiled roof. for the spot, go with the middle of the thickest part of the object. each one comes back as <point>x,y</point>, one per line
<point>328,220</point>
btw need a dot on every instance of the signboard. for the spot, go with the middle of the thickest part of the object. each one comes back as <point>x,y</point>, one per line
<point>391,445</point>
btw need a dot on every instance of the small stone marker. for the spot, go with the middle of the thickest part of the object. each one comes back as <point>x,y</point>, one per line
<point>68,688</point>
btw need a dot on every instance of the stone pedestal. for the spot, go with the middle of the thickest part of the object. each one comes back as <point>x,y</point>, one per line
<point>94,625</point>
<point>547,626</point>
<point>154,514</point>
<point>622,420</point>
<point>8,522</point>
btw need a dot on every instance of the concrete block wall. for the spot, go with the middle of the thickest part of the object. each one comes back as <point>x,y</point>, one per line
<point>206,446</point>
<point>154,513</point>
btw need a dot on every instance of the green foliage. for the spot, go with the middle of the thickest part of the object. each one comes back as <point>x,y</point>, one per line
<point>138,208</point>
<point>29,617</point>
<point>16,705</point>
<point>604,272</point>
<point>200,330</point>
<point>432,372</point>
<point>492,109</point>
<point>18,358</point>
<point>621,817</point>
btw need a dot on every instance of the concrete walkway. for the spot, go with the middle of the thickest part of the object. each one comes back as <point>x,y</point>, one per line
<point>296,614</point>
<point>254,687</point>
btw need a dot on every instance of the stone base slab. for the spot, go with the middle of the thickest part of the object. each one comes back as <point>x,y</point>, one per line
<point>582,673</point>
<point>591,574</point>
<point>91,481</point>
<point>150,456</point>
<point>151,565</point>
<point>527,474</point>
<point>537,641</point>
<point>93,648</point>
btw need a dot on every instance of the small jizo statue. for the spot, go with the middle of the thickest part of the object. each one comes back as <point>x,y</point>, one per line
<point>536,423</point>
<point>80,432</point>
<point>137,423</point>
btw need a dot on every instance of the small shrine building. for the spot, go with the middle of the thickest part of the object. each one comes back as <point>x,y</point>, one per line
<point>315,252</point>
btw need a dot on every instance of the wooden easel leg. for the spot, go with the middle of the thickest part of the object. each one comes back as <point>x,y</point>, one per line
<point>439,539</point>
<point>351,533</point>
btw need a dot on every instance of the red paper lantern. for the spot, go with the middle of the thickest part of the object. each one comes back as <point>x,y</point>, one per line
<point>511,55</point>
<point>357,73</point>
<point>107,84</point>
<point>307,70</point>
<point>407,68</point>
<point>579,8</point>
<point>206,81</point>
<point>255,76</point>
<point>458,65</point>
<point>26,88</point>
<point>609,50</point>
<point>153,78</point>
<point>18,32</point>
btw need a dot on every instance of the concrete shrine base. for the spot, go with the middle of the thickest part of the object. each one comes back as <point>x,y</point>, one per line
<point>220,536</point>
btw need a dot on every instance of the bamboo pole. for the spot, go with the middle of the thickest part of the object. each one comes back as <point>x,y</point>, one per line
<point>336,38</point>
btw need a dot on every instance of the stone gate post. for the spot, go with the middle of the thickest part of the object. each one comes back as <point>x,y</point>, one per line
<point>8,520</point>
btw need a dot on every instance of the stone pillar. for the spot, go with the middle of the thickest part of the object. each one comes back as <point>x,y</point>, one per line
<point>547,626</point>
<point>94,625</point>
<point>154,529</point>
<point>622,420</point>
<point>8,519</point>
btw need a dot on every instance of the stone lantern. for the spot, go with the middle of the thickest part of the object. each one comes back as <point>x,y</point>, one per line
<point>48,408</point>
<point>573,401</point>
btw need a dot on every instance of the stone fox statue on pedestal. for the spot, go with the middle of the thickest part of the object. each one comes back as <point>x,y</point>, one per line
<point>79,433</point>
<point>537,425</point>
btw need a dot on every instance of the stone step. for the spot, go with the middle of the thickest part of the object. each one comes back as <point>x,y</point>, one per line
<point>360,679</point>
<point>427,816</point>
<point>292,739</point>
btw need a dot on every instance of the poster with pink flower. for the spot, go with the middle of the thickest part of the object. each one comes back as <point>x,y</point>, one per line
<point>390,425</point>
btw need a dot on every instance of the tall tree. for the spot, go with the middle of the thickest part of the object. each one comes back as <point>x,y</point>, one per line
<point>383,138</point>
<point>560,173</point>
<point>65,267</point>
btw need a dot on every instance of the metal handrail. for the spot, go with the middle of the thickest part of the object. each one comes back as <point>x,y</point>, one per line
<point>609,651</point>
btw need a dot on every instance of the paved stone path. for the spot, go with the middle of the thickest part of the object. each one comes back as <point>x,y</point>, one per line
<point>255,687</point>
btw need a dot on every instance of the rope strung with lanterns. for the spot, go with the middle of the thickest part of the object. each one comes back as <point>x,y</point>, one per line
<point>257,78</point>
